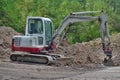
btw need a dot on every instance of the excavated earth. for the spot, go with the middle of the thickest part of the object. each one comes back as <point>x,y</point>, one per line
<point>82,54</point>
<point>6,34</point>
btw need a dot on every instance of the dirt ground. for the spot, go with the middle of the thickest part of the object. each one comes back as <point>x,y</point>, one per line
<point>30,71</point>
<point>6,34</point>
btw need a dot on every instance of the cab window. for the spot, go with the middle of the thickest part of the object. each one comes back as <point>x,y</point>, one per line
<point>35,26</point>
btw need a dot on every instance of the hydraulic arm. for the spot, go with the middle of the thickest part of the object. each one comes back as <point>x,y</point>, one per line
<point>80,17</point>
<point>105,36</point>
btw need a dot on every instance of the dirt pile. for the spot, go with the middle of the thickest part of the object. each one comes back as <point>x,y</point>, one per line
<point>90,52</point>
<point>115,39</point>
<point>6,34</point>
<point>81,54</point>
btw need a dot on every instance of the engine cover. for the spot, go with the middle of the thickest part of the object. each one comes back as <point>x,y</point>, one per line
<point>33,44</point>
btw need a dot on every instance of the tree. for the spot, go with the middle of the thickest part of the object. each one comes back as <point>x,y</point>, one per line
<point>13,13</point>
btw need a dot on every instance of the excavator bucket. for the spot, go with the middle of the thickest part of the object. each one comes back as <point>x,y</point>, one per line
<point>108,62</point>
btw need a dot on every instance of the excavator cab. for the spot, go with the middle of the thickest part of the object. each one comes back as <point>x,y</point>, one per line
<point>38,34</point>
<point>39,26</point>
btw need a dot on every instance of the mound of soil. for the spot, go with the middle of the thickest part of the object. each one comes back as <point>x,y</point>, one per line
<point>6,34</point>
<point>90,52</point>
<point>115,39</point>
<point>80,54</point>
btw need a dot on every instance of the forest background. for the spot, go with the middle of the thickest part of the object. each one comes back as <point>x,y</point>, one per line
<point>13,13</point>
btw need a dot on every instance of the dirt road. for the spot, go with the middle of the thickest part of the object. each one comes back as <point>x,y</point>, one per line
<point>111,73</point>
<point>17,71</point>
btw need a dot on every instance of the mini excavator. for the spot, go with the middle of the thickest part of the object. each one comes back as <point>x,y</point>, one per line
<point>39,38</point>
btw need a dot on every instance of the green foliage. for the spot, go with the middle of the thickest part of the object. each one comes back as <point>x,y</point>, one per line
<point>13,13</point>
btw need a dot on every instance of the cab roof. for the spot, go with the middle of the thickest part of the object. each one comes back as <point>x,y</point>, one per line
<point>43,18</point>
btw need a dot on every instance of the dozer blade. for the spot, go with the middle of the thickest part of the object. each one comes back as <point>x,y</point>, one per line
<point>61,59</point>
<point>34,58</point>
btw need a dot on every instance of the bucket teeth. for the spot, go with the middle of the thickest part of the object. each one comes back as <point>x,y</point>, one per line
<point>108,62</point>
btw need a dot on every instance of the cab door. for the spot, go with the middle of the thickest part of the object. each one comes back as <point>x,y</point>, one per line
<point>48,32</point>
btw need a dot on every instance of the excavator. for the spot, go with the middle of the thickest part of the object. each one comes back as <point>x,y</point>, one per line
<point>39,38</point>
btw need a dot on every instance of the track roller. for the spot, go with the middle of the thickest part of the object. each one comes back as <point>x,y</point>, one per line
<point>13,57</point>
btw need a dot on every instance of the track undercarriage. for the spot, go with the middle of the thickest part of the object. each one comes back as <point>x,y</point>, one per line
<point>36,58</point>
